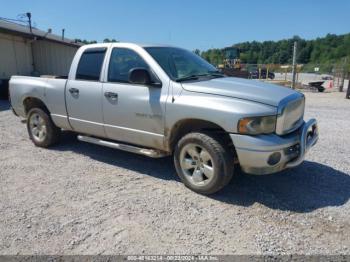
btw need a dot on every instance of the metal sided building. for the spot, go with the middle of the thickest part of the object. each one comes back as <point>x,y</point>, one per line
<point>29,51</point>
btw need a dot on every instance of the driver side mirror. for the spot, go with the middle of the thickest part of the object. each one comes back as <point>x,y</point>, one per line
<point>142,76</point>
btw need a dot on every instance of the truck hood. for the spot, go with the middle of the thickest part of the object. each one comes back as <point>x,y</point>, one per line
<point>253,90</point>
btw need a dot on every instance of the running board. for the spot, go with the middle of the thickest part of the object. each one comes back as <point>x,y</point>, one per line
<point>133,149</point>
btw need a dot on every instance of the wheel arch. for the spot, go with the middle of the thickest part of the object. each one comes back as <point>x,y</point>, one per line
<point>185,126</point>
<point>34,102</point>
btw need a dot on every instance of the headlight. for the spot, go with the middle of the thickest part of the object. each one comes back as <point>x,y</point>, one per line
<point>257,125</point>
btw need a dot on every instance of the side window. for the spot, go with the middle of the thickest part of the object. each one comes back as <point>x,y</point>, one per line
<point>122,61</point>
<point>90,64</point>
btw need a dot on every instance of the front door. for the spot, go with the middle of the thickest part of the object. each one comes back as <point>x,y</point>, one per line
<point>132,113</point>
<point>84,94</point>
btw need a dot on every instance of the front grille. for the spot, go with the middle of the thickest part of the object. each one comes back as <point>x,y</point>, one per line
<point>291,115</point>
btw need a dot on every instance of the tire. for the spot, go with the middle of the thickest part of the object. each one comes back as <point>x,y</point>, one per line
<point>321,89</point>
<point>200,175</point>
<point>46,133</point>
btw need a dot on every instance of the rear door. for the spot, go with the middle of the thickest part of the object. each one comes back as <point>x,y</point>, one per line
<point>84,94</point>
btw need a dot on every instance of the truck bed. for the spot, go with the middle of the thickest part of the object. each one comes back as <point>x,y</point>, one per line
<point>49,89</point>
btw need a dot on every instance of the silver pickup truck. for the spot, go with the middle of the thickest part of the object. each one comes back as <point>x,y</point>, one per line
<point>161,100</point>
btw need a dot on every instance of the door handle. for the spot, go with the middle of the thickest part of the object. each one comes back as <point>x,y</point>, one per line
<point>111,95</point>
<point>74,91</point>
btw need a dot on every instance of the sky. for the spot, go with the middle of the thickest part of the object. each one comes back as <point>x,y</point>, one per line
<point>190,24</point>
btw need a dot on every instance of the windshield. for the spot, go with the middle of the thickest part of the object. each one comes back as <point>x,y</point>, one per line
<point>181,64</point>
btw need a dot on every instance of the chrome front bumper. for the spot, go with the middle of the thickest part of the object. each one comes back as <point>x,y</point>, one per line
<point>255,152</point>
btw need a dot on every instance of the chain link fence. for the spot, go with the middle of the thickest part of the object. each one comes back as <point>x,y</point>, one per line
<point>324,77</point>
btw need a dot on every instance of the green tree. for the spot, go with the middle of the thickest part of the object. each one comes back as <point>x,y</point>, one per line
<point>325,50</point>
<point>84,41</point>
<point>107,40</point>
<point>197,52</point>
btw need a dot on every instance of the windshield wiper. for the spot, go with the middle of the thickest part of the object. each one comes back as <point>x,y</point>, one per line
<point>195,77</point>
<point>185,78</point>
<point>212,73</point>
<point>215,73</point>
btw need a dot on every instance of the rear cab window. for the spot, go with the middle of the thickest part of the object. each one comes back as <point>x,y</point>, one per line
<point>90,64</point>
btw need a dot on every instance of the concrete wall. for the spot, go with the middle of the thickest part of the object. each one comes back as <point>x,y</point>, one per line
<point>15,56</point>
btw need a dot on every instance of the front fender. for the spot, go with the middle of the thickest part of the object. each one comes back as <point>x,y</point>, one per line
<point>220,110</point>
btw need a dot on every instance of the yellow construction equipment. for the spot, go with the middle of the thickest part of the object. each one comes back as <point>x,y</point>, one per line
<point>232,63</point>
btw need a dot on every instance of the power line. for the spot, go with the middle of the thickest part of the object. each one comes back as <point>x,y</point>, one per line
<point>12,20</point>
<point>28,22</point>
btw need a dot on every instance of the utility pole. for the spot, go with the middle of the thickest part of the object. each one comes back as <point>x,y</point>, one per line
<point>343,72</point>
<point>348,91</point>
<point>63,33</point>
<point>29,15</point>
<point>294,71</point>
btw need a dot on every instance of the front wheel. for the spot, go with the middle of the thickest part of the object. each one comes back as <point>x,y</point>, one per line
<point>203,163</point>
<point>42,131</point>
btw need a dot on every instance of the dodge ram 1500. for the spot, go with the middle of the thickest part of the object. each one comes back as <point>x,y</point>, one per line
<point>161,101</point>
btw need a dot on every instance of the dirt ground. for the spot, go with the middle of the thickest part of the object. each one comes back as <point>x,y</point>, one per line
<point>78,198</point>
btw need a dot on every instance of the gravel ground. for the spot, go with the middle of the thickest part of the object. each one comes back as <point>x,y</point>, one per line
<point>78,198</point>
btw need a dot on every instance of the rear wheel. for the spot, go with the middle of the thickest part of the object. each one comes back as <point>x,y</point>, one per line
<point>42,131</point>
<point>320,89</point>
<point>203,163</point>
